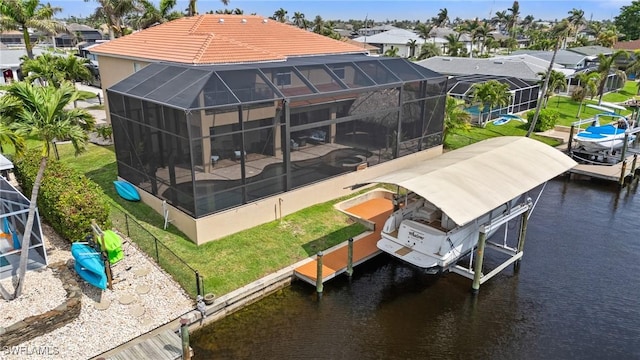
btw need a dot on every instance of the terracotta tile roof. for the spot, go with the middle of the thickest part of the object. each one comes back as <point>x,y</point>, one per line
<point>627,45</point>
<point>219,39</point>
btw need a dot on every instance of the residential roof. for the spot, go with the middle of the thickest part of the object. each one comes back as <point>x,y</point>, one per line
<point>197,87</point>
<point>80,27</point>
<point>11,57</point>
<point>462,85</point>
<point>222,39</point>
<point>384,27</point>
<point>592,50</point>
<point>469,182</point>
<point>563,57</point>
<point>368,47</point>
<point>442,33</point>
<point>506,66</point>
<point>627,45</point>
<point>395,36</point>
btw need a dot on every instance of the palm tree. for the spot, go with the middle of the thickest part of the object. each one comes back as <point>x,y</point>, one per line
<point>576,18</point>
<point>560,32</point>
<point>318,24</point>
<point>490,94</point>
<point>428,50</point>
<point>298,19</point>
<point>412,44</point>
<point>424,31</point>
<point>10,137</point>
<point>42,68</point>
<point>41,112</point>
<point>74,68</point>
<point>557,81</point>
<point>392,52</point>
<point>280,15</point>
<point>605,65</point>
<point>454,44</point>
<point>442,18</point>
<point>157,15</point>
<point>113,12</point>
<point>513,18</point>
<point>192,9</point>
<point>587,86</point>
<point>455,117</point>
<point>23,15</point>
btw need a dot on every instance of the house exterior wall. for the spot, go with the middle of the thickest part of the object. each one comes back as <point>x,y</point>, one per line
<point>113,70</point>
<point>228,222</point>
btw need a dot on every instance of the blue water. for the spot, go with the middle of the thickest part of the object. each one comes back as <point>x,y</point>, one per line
<point>576,296</point>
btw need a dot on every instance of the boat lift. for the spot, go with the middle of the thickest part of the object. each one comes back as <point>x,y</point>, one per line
<point>474,271</point>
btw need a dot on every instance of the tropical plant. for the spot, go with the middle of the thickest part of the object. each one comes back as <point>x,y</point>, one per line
<point>10,137</point>
<point>442,18</point>
<point>424,31</point>
<point>298,19</point>
<point>280,15</point>
<point>455,117</point>
<point>412,44</point>
<point>576,19</point>
<point>153,15</point>
<point>628,21</point>
<point>512,19</point>
<point>454,45</point>
<point>53,70</point>
<point>391,52</point>
<point>490,94</point>
<point>605,65</point>
<point>23,15</point>
<point>42,112</point>
<point>557,81</point>
<point>428,50</point>
<point>113,12</point>
<point>559,32</point>
<point>587,86</point>
<point>318,24</point>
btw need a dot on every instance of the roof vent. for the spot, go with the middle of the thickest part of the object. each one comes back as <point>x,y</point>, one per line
<point>498,62</point>
<point>446,59</point>
<point>244,21</point>
<point>264,21</point>
<point>221,21</point>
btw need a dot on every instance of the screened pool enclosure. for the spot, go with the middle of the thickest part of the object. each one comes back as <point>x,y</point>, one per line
<point>524,95</point>
<point>14,210</point>
<point>209,138</point>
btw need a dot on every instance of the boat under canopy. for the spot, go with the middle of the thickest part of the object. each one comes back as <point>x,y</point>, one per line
<point>469,182</point>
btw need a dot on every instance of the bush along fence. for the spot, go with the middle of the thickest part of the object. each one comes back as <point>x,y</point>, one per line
<point>188,277</point>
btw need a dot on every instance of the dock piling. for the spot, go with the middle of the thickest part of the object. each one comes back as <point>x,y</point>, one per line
<point>521,237</point>
<point>184,334</point>
<point>622,173</point>
<point>350,258</point>
<point>570,143</point>
<point>319,286</point>
<point>477,270</point>
<point>633,165</point>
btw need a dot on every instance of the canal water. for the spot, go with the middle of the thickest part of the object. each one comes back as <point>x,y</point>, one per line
<point>576,296</point>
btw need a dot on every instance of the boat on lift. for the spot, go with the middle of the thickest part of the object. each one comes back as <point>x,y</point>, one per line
<point>451,199</point>
<point>608,137</point>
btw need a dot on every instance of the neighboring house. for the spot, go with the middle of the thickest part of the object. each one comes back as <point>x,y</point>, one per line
<point>376,30</point>
<point>368,47</point>
<point>524,95</point>
<point>523,67</point>
<point>10,60</point>
<point>566,58</point>
<point>79,33</point>
<point>230,121</point>
<point>392,39</point>
<point>633,45</point>
<point>592,51</point>
<point>15,38</point>
<point>439,35</point>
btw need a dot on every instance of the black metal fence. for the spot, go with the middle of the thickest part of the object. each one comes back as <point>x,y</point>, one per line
<point>188,277</point>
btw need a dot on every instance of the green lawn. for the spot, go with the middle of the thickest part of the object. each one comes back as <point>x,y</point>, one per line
<point>459,139</point>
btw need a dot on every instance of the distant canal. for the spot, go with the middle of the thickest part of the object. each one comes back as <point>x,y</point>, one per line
<point>576,296</point>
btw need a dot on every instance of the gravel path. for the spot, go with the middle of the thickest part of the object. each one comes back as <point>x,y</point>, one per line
<point>143,298</point>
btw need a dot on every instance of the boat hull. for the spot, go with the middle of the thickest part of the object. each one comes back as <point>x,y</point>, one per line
<point>602,142</point>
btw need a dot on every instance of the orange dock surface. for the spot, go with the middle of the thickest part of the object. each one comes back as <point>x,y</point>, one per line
<point>334,262</point>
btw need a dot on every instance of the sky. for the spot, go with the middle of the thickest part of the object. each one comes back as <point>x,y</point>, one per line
<point>381,11</point>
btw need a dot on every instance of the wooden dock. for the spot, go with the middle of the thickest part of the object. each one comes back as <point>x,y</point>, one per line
<point>608,172</point>
<point>166,345</point>
<point>334,262</point>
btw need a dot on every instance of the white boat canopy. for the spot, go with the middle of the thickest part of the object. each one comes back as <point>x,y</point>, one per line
<point>471,181</point>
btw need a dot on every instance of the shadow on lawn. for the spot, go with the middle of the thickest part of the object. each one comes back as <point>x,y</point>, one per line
<point>332,239</point>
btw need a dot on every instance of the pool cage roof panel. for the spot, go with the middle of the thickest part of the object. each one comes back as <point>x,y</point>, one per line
<point>198,87</point>
<point>461,85</point>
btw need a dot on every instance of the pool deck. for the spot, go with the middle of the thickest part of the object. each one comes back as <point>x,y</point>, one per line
<point>334,261</point>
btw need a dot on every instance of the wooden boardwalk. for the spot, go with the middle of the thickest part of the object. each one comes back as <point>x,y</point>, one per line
<point>334,262</point>
<point>605,172</point>
<point>163,346</point>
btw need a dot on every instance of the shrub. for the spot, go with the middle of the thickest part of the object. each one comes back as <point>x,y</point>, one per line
<point>105,131</point>
<point>67,200</point>
<point>546,120</point>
